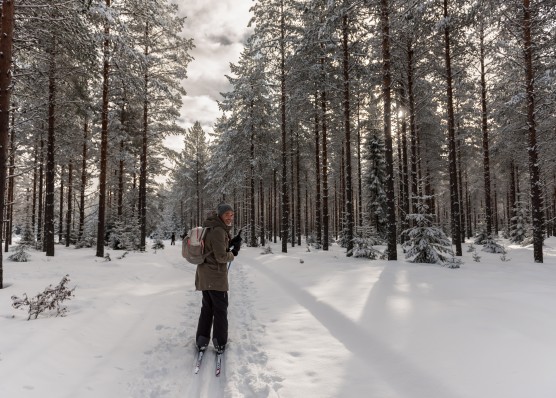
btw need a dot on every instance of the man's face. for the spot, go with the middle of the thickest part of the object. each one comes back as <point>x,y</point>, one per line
<point>228,217</point>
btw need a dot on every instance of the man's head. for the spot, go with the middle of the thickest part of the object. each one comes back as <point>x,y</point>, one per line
<point>226,213</point>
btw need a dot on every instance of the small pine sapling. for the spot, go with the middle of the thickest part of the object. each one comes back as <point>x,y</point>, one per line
<point>491,246</point>
<point>453,261</point>
<point>158,244</point>
<point>476,256</point>
<point>20,254</point>
<point>427,243</point>
<point>267,250</point>
<point>503,255</point>
<point>50,299</point>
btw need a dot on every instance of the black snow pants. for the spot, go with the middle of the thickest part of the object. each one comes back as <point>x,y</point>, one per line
<point>214,315</point>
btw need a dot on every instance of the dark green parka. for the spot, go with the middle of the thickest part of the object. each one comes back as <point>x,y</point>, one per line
<point>213,273</point>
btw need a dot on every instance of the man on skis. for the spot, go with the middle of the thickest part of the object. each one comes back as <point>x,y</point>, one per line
<point>212,278</point>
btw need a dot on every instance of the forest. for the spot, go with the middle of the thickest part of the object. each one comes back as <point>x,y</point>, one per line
<point>348,122</point>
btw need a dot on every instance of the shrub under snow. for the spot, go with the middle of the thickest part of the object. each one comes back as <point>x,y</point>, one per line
<point>50,299</point>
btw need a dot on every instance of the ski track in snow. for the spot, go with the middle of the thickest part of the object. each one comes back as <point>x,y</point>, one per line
<point>168,368</point>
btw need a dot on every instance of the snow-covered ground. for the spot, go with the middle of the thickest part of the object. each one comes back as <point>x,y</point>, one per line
<point>302,324</point>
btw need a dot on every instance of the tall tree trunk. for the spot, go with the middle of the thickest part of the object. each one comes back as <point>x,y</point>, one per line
<point>285,197</point>
<point>359,164</point>
<point>460,184</point>
<point>120,210</point>
<point>318,204</point>
<point>454,200</point>
<point>40,225</point>
<point>298,187</point>
<point>6,45</point>
<point>262,212</point>
<point>533,149</point>
<point>325,210</point>
<point>61,204</point>
<point>275,207</point>
<point>121,163</point>
<point>144,145</point>
<point>347,126</point>
<point>484,128</point>
<point>386,97</point>
<point>512,197</point>
<point>252,220</point>
<point>50,164</point>
<point>35,180</point>
<point>70,201</point>
<point>292,189</point>
<point>405,207</point>
<point>83,182</point>
<point>11,186</point>
<point>103,141</point>
<point>413,130</point>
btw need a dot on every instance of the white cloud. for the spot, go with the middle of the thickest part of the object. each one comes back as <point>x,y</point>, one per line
<point>219,30</point>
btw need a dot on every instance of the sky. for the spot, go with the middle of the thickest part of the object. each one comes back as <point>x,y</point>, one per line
<point>219,30</point>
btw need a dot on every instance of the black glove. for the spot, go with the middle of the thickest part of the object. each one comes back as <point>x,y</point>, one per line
<point>236,242</point>
<point>235,252</point>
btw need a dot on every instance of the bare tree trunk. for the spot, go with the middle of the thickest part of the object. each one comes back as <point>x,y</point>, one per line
<point>318,204</point>
<point>292,189</point>
<point>460,185</point>
<point>262,212</point>
<point>454,200</point>
<point>275,207</point>
<point>347,126</point>
<point>121,163</point>
<point>252,220</point>
<point>83,183</point>
<point>533,149</point>
<point>386,96</point>
<point>35,180</point>
<point>103,142</point>
<point>144,146</point>
<point>512,197</point>
<point>6,45</point>
<point>359,165</point>
<point>61,204</point>
<point>298,187</point>
<point>325,210</point>
<point>285,196</point>
<point>50,164</point>
<point>405,207</point>
<point>413,130</point>
<point>41,195</point>
<point>70,202</point>
<point>11,186</point>
<point>484,127</point>
<point>120,210</point>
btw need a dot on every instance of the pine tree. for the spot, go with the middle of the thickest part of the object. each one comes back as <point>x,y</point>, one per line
<point>375,180</point>
<point>426,243</point>
<point>519,221</point>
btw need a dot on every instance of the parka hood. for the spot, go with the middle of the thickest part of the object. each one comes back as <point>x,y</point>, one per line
<point>213,221</point>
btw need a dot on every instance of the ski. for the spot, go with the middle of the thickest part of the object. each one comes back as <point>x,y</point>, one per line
<point>200,355</point>
<point>218,363</point>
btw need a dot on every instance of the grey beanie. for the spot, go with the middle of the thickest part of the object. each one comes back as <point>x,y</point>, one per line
<point>223,208</point>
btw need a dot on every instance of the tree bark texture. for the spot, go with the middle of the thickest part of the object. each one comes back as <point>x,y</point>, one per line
<point>532,148</point>
<point>386,97</point>
<point>6,45</point>
<point>452,156</point>
<point>103,142</point>
<point>347,127</point>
